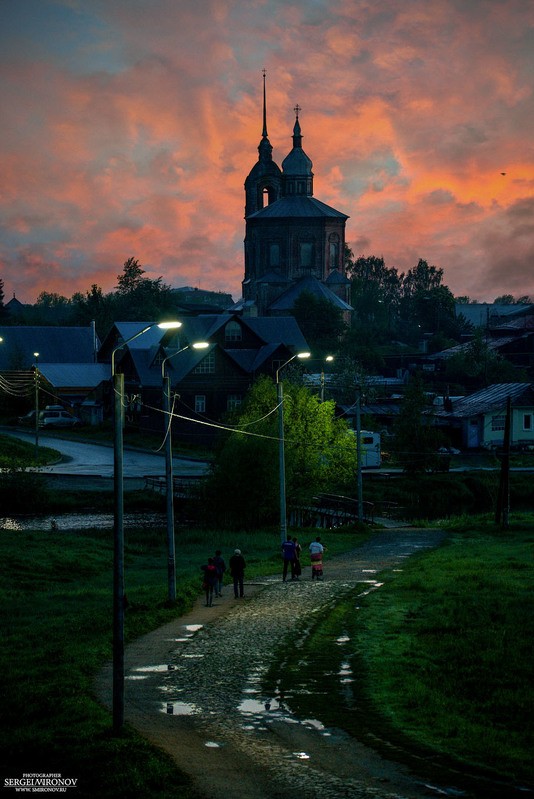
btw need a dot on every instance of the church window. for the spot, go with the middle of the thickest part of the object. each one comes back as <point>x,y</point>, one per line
<point>333,251</point>
<point>265,197</point>
<point>274,255</point>
<point>306,251</point>
<point>233,331</point>
<point>206,365</point>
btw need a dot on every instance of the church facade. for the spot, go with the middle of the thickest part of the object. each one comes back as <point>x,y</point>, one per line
<point>294,243</point>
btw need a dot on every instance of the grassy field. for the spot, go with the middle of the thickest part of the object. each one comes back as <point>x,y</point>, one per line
<point>441,655</point>
<point>56,606</point>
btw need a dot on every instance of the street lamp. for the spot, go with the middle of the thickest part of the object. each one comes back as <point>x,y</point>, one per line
<point>36,376</point>
<point>281,454</point>
<point>171,567</point>
<point>118,529</point>
<point>328,359</point>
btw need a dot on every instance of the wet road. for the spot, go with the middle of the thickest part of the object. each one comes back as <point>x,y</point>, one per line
<point>96,460</point>
<point>194,689</point>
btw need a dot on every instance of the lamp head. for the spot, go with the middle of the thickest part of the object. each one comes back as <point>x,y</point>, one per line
<point>303,355</point>
<point>200,345</point>
<point>169,325</point>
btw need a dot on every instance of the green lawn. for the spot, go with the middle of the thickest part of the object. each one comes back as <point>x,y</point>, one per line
<point>441,655</point>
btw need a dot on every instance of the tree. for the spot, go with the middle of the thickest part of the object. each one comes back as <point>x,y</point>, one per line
<point>319,454</point>
<point>138,297</point>
<point>426,301</point>
<point>415,438</point>
<point>321,323</point>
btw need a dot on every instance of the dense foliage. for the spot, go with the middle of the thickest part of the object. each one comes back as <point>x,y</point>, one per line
<point>244,487</point>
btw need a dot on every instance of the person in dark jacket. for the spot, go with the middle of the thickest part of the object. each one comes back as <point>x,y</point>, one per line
<point>237,570</point>
<point>288,555</point>
<point>220,565</point>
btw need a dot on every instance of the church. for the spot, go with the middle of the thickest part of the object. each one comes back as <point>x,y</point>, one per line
<point>294,243</point>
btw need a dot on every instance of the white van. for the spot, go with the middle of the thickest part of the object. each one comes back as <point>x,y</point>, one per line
<point>371,457</point>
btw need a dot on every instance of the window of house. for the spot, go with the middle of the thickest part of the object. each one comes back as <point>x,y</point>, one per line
<point>233,331</point>
<point>200,403</point>
<point>497,423</point>
<point>527,421</point>
<point>233,401</point>
<point>206,365</point>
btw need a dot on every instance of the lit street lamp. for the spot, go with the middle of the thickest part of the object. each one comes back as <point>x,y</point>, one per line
<point>171,558</point>
<point>118,530</point>
<point>281,454</point>
<point>328,358</point>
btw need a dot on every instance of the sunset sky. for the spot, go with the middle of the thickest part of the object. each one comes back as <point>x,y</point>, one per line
<point>129,126</point>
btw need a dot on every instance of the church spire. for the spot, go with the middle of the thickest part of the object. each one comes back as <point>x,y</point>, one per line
<point>297,167</point>
<point>264,132</point>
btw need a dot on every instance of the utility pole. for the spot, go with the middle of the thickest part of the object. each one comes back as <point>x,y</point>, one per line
<point>359,452</point>
<point>502,512</point>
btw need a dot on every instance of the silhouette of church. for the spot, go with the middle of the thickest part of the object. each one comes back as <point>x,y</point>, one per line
<point>294,243</point>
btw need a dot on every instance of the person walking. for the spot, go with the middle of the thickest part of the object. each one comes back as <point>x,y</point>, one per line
<point>220,565</point>
<point>237,570</point>
<point>297,569</point>
<point>288,555</point>
<point>316,556</point>
<point>210,579</point>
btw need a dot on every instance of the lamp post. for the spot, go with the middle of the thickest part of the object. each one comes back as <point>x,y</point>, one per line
<point>281,453</point>
<point>328,358</point>
<point>118,530</point>
<point>171,556</point>
<point>36,376</point>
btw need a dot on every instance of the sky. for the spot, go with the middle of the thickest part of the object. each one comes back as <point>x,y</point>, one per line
<point>129,127</point>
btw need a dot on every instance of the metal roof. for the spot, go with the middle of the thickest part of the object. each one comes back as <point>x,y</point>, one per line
<point>54,344</point>
<point>298,206</point>
<point>309,284</point>
<point>491,399</point>
<point>75,375</point>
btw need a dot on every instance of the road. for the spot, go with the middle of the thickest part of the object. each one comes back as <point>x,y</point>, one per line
<point>96,460</point>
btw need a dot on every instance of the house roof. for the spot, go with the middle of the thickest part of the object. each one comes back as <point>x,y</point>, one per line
<point>490,399</point>
<point>60,344</point>
<point>75,375</point>
<point>491,343</point>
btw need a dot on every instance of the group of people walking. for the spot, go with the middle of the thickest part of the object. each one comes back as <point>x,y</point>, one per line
<point>214,570</point>
<point>291,551</point>
<point>213,575</point>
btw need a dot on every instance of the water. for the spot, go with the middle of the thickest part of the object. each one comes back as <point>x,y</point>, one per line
<point>81,521</point>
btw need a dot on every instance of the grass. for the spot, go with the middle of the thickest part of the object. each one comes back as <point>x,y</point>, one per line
<point>442,654</point>
<point>14,452</point>
<point>56,605</point>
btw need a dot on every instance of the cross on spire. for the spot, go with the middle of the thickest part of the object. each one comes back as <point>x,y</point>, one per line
<point>297,109</point>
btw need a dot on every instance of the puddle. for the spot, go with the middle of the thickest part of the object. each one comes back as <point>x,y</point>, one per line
<point>153,669</point>
<point>179,709</point>
<point>212,745</point>
<point>193,628</point>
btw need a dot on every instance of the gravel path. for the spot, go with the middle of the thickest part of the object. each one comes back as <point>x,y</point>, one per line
<point>193,688</point>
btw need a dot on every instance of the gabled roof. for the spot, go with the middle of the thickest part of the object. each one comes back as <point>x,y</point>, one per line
<point>491,399</point>
<point>492,344</point>
<point>282,330</point>
<point>75,375</point>
<point>336,278</point>
<point>297,207</point>
<point>310,285</point>
<point>54,344</point>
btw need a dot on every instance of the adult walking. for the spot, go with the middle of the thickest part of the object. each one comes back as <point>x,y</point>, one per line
<point>316,556</point>
<point>237,570</point>
<point>288,555</point>
<point>220,565</point>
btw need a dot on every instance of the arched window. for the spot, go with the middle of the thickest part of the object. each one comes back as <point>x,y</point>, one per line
<point>233,331</point>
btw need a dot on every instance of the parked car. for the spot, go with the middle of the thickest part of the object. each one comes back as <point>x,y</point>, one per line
<point>27,419</point>
<point>59,418</point>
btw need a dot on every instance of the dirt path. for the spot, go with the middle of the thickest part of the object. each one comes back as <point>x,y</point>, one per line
<point>193,689</point>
